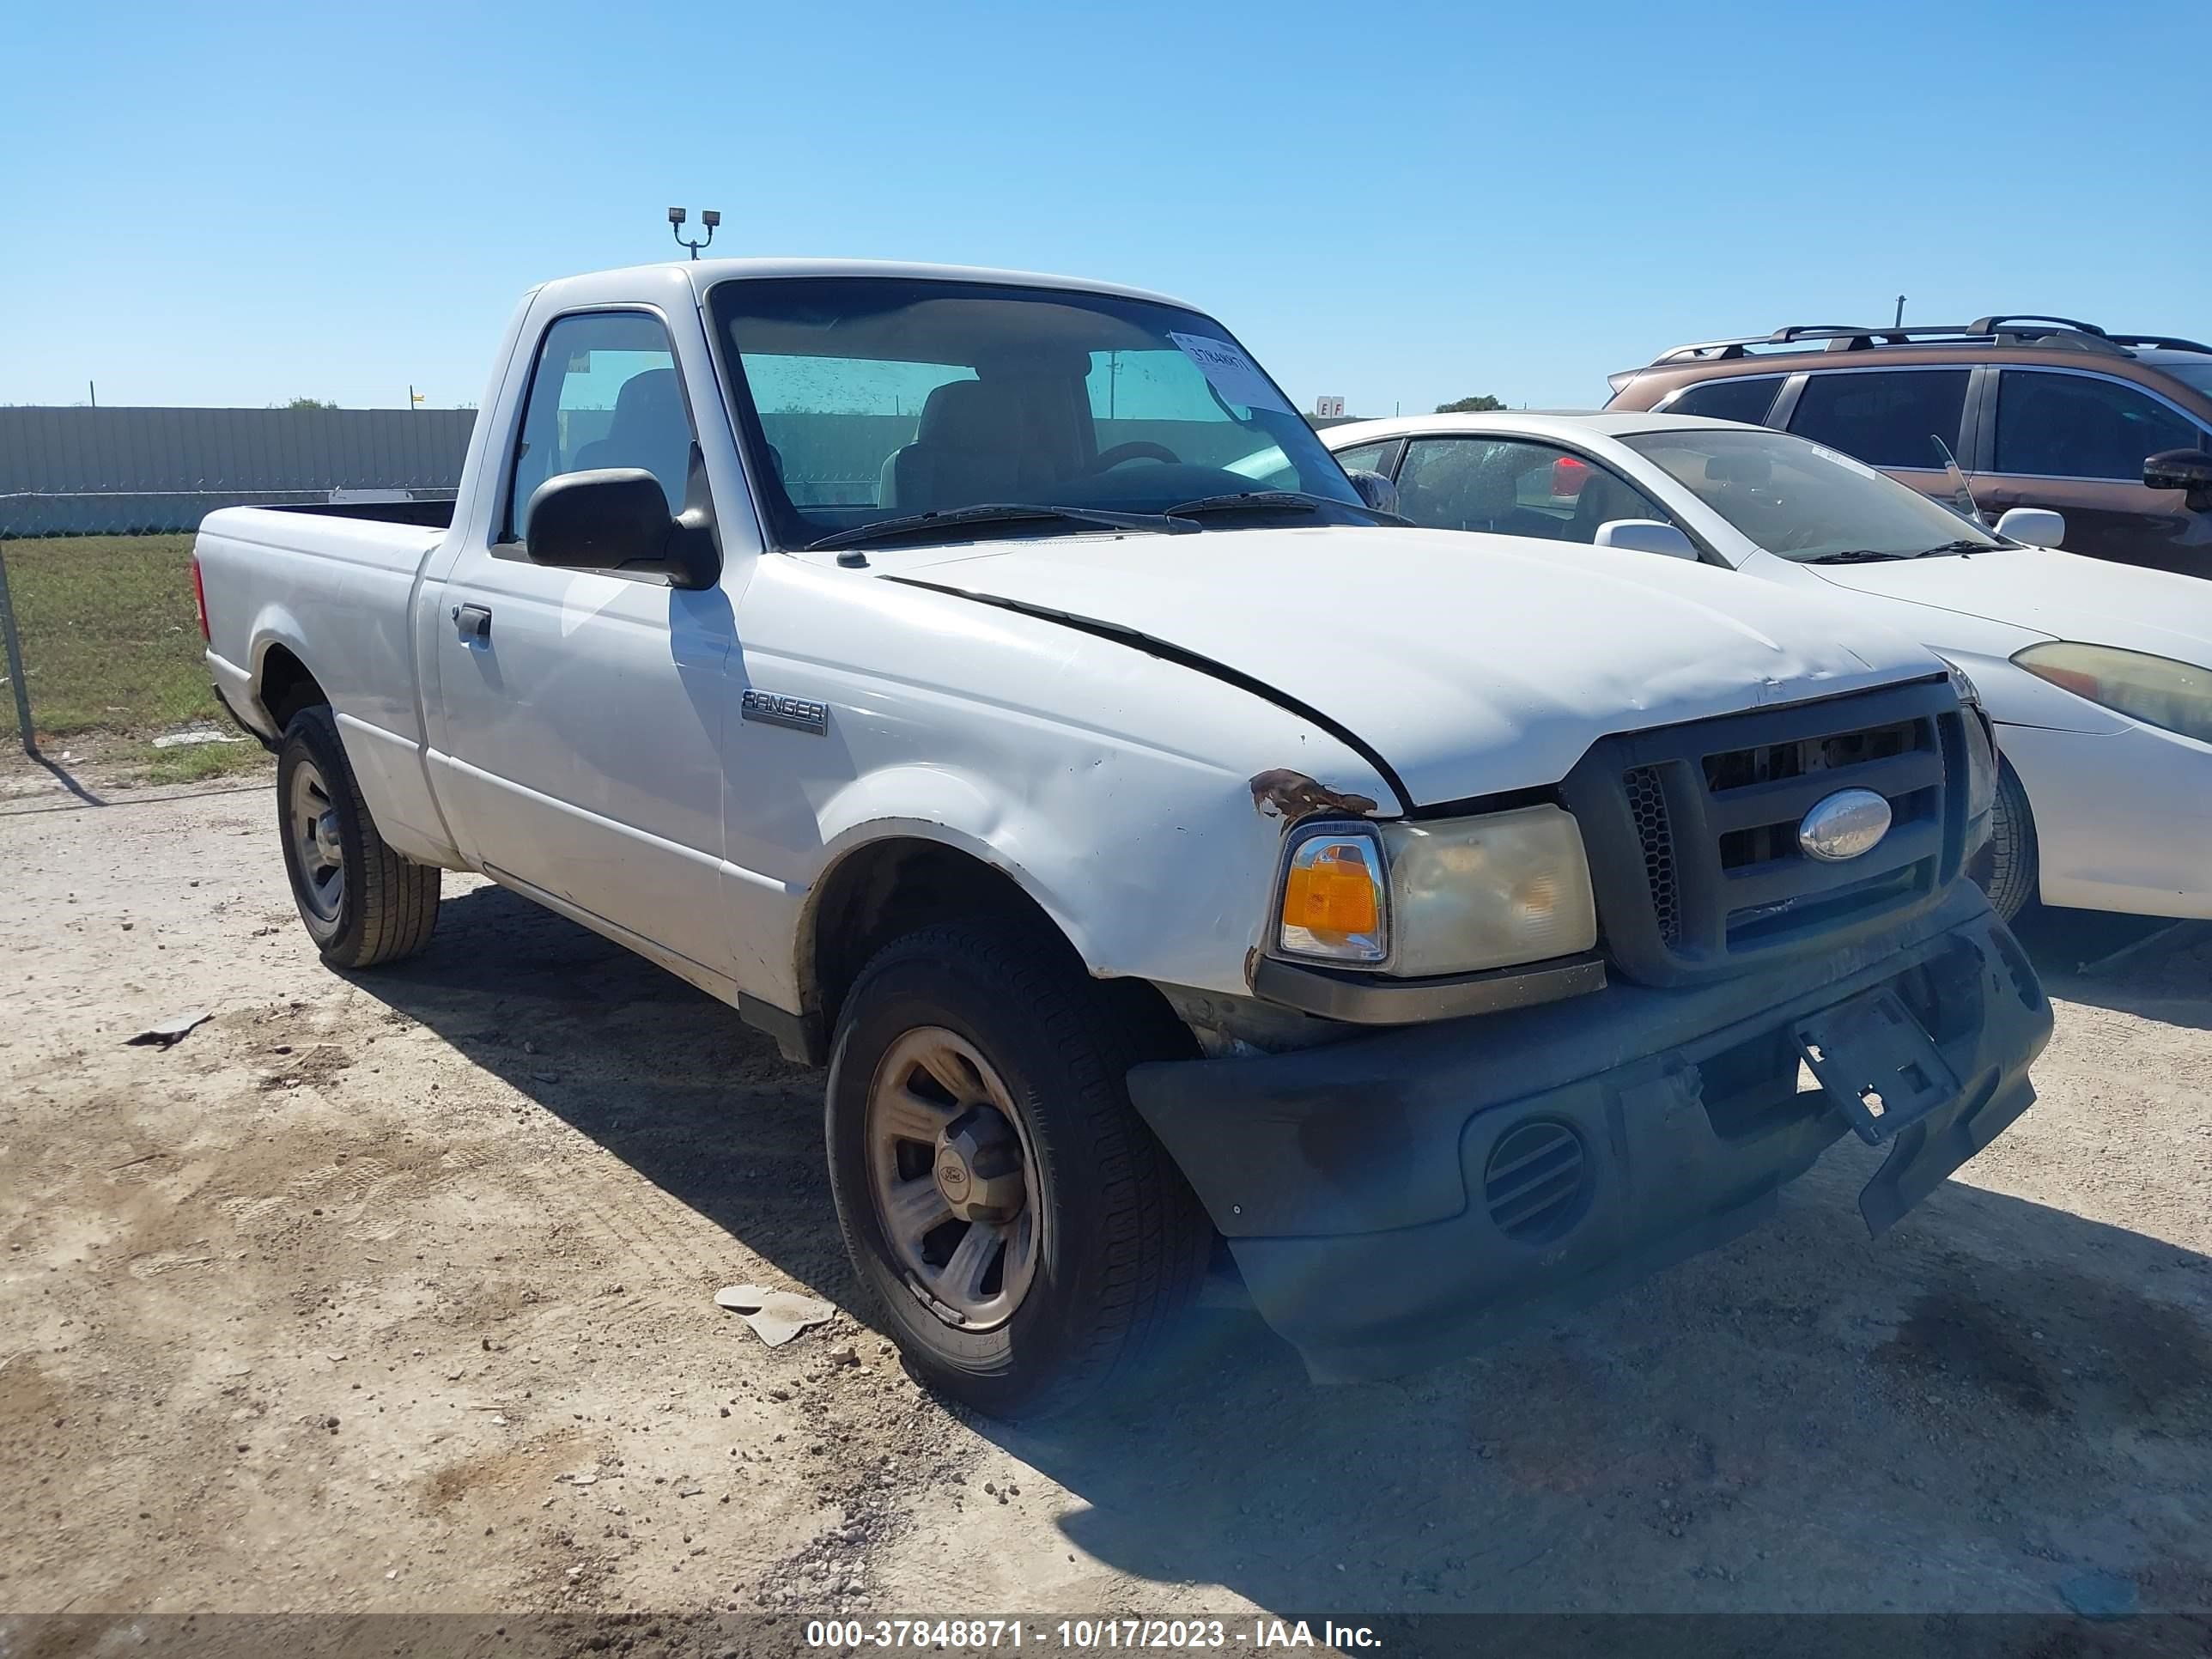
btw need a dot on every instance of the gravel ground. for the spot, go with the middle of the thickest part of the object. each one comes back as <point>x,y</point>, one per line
<point>395,1293</point>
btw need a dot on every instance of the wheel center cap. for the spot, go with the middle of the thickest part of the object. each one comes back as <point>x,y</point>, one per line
<point>326,837</point>
<point>979,1167</point>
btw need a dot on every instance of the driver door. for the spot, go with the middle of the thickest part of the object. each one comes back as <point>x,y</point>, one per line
<point>584,709</point>
<point>2076,442</point>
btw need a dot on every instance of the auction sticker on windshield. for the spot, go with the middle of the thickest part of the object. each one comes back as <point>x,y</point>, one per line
<point>1232,372</point>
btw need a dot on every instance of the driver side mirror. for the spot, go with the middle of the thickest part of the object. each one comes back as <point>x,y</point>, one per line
<point>617,518</point>
<point>1378,491</point>
<point>1647,536</point>
<point>2181,468</point>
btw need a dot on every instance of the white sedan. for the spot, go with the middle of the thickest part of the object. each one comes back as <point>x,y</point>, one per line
<point>2097,676</point>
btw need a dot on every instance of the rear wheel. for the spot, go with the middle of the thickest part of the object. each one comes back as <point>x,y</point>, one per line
<point>362,903</point>
<point>2008,868</point>
<point>1026,1236</point>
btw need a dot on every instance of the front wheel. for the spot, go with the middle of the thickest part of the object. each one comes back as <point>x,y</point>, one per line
<point>363,904</point>
<point>1027,1238</point>
<point>2008,868</point>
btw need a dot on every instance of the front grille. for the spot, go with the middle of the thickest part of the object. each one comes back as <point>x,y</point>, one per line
<point>1693,828</point>
<point>1773,762</point>
<point>1647,799</point>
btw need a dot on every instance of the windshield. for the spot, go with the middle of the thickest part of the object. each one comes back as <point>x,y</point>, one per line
<point>872,399</point>
<point>1803,501</point>
<point>2194,375</point>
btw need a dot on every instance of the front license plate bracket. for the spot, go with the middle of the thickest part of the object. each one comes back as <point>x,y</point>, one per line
<point>1877,1062</point>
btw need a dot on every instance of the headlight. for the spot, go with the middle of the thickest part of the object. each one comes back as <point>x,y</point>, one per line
<point>1981,746</point>
<point>1981,763</point>
<point>1969,693</point>
<point>2175,696</point>
<point>1449,898</point>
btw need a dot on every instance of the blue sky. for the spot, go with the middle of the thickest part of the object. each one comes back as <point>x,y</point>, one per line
<point>1401,204</point>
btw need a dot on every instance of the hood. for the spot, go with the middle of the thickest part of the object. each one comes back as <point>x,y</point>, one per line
<point>1471,663</point>
<point>2062,595</point>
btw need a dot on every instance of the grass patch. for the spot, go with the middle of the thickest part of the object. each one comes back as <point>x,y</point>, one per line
<point>202,760</point>
<point>111,637</point>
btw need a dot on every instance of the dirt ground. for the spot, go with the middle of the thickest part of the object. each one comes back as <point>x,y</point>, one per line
<point>395,1293</point>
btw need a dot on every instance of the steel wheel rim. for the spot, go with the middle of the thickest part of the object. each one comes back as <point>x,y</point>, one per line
<point>972,1274</point>
<point>311,826</point>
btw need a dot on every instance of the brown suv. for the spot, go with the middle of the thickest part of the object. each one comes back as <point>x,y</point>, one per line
<point>2113,430</point>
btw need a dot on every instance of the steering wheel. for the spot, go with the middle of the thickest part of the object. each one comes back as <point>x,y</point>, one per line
<point>1138,449</point>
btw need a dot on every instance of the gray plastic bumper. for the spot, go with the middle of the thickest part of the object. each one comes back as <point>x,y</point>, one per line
<point>1394,1199</point>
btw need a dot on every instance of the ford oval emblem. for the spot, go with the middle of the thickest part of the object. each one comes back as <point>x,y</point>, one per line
<point>1846,824</point>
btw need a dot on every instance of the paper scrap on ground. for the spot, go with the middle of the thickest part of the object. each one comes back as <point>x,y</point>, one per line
<point>173,1031</point>
<point>1234,375</point>
<point>776,1316</point>
<point>192,734</point>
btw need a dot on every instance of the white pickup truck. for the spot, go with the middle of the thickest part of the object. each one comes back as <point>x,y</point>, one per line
<point>1175,875</point>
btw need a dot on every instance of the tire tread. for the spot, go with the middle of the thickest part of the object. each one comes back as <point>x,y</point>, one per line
<point>2010,870</point>
<point>398,897</point>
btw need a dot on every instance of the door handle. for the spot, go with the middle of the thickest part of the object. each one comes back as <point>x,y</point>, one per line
<point>473,622</point>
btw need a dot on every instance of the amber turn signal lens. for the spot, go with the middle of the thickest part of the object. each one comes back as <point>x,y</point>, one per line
<point>1332,897</point>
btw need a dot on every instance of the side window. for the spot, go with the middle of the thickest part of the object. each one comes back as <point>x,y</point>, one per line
<point>1888,417</point>
<point>1369,458</point>
<point>1514,487</point>
<point>2073,426</point>
<point>603,393</point>
<point>1747,399</point>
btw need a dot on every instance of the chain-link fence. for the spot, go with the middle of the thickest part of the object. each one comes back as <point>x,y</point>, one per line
<point>12,638</point>
<point>97,512</point>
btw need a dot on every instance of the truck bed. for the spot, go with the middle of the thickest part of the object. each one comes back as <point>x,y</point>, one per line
<point>334,587</point>
<point>429,514</point>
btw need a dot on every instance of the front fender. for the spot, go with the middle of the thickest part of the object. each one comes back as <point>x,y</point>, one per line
<point>1113,786</point>
<point>1161,878</point>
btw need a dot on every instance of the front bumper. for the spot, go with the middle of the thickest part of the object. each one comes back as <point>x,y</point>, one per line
<point>1654,1124</point>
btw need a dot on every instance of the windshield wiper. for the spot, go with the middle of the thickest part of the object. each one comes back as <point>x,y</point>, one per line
<point>1964,545</point>
<point>1858,556</point>
<point>1276,501</point>
<point>923,523</point>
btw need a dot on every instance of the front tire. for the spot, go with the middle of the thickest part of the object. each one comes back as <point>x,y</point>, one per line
<point>362,903</point>
<point>1026,1238</point>
<point>2008,869</point>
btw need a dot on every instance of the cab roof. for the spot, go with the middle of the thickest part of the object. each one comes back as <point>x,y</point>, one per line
<point>704,274</point>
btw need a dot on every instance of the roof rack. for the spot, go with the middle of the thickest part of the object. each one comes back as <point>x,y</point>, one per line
<point>2159,343</point>
<point>2012,330</point>
<point>1993,325</point>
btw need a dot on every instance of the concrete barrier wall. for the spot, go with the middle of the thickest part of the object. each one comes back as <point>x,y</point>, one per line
<point>118,471</point>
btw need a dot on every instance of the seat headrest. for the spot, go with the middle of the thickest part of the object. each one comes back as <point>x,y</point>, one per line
<point>649,401</point>
<point>969,415</point>
<point>1604,498</point>
<point>1490,483</point>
